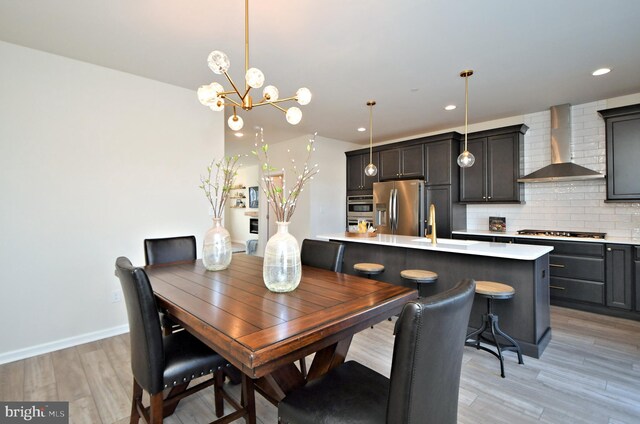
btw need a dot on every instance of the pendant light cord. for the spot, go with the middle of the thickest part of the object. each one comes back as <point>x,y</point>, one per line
<point>466,108</point>
<point>371,133</point>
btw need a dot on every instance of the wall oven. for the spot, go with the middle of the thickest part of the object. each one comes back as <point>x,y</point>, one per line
<point>359,207</point>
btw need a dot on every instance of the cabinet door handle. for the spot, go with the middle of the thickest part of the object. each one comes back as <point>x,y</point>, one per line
<point>608,249</point>
<point>557,288</point>
<point>556,265</point>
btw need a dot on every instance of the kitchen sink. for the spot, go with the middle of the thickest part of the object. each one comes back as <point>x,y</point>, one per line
<point>454,242</point>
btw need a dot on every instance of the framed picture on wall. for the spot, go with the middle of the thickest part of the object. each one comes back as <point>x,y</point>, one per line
<point>253,197</point>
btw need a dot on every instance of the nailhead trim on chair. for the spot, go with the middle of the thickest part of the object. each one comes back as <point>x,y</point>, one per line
<point>193,376</point>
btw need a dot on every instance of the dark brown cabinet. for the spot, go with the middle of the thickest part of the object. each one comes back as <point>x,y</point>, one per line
<point>498,165</point>
<point>439,157</point>
<point>440,197</point>
<point>619,280</point>
<point>636,276</point>
<point>402,163</point>
<point>623,152</point>
<point>357,181</point>
<point>577,271</point>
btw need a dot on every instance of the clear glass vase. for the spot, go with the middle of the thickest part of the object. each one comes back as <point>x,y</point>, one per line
<point>216,250</point>
<point>282,268</point>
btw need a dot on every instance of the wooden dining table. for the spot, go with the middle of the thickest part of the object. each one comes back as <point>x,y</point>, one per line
<point>263,333</point>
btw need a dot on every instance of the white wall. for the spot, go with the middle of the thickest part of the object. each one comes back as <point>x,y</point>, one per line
<point>92,161</point>
<point>236,222</point>
<point>571,205</point>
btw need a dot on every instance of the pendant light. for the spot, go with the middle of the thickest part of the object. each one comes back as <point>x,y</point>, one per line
<point>371,170</point>
<point>466,159</point>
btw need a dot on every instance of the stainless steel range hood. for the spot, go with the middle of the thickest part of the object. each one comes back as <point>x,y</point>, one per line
<point>561,168</point>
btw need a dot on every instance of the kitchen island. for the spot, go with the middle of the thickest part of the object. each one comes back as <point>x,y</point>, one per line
<point>526,317</point>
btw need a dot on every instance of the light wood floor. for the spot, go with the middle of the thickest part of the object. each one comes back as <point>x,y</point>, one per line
<point>590,373</point>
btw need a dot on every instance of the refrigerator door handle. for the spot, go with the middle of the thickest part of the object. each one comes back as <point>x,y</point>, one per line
<point>395,210</point>
<point>391,210</point>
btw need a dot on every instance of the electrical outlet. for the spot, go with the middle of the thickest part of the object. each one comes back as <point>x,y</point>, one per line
<point>116,296</point>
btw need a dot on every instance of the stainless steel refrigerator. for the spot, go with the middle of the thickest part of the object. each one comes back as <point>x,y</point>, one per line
<point>398,207</point>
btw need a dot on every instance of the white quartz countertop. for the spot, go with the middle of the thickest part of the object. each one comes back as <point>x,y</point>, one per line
<point>523,252</point>
<point>615,240</point>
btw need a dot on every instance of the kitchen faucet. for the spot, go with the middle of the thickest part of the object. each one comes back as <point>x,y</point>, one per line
<point>430,231</point>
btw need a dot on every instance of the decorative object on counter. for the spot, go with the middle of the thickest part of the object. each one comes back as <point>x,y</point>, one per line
<point>498,224</point>
<point>216,249</point>
<point>282,267</point>
<point>253,197</point>
<point>498,291</point>
<point>466,158</point>
<point>216,97</point>
<point>371,170</point>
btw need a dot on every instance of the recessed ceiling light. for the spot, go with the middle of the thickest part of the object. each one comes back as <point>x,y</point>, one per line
<point>449,107</point>
<point>362,129</point>
<point>600,71</point>
<point>238,134</point>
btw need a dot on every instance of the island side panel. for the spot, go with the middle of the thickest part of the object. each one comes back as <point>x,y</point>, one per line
<point>526,317</point>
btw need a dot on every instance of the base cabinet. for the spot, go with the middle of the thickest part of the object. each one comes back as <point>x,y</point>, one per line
<point>619,280</point>
<point>636,276</point>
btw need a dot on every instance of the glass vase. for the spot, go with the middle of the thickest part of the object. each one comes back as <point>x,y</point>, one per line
<point>282,268</point>
<point>216,250</point>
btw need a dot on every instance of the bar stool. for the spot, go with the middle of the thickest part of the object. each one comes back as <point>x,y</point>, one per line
<point>368,269</point>
<point>498,291</point>
<point>420,277</point>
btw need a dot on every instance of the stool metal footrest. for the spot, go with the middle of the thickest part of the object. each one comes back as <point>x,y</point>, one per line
<point>490,322</point>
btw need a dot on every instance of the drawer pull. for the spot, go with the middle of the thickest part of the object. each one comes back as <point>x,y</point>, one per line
<point>556,265</point>
<point>557,288</point>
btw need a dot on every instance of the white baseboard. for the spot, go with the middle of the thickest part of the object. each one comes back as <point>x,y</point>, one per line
<point>28,352</point>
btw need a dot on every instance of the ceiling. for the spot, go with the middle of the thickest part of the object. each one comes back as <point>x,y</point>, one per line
<point>527,55</point>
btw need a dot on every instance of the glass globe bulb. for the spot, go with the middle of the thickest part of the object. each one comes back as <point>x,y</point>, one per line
<point>235,122</point>
<point>303,95</point>
<point>206,95</point>
<point>370,170</point>
<point>217,105</point>
<point>218,62</point>
<point>466,159</point>
<point>217,88</point>
<point>270,93</point>
<point>294,115</point>
<point>254,77</point>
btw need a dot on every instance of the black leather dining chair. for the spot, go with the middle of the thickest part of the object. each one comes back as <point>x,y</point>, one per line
<point>159,362</point>
<point>165,251</point>
<point>322,254</point>
<point>425,372</point>
<point>169,249</point>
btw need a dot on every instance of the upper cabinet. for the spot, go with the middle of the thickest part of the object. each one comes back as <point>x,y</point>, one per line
<point>402,163</point>
<point>493,176</point>
<point>439,158</point>
<point>623,152</point>
<point>357,181</point>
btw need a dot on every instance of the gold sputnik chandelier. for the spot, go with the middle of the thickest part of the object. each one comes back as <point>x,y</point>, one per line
<point>216,97</point>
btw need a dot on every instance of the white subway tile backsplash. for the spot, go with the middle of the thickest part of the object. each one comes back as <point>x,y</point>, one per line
<point>577,205</point>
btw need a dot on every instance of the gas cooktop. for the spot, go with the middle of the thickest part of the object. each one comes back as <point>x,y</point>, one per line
<point>553,233</point>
